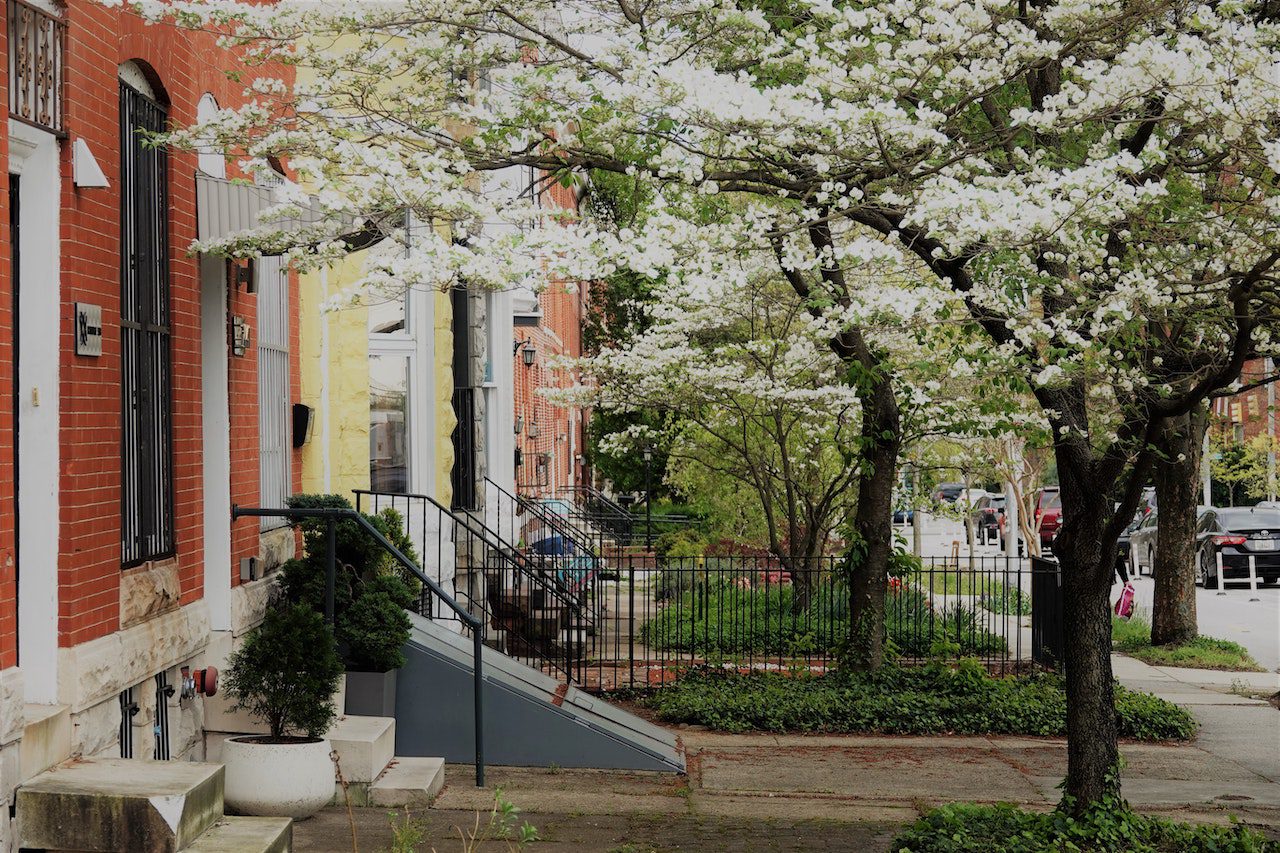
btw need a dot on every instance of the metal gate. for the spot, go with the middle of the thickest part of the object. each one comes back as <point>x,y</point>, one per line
<point>164,690</point>
<point>1048,641</point>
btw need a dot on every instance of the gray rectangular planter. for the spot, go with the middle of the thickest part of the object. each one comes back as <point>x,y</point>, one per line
<point>371,694</point>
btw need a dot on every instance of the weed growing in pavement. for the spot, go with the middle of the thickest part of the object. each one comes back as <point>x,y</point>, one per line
<point>503,825</point>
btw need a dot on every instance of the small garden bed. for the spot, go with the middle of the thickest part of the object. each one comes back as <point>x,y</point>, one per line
<point>1110,828</point>
<point>1133,638</point>
<point>926,700</point>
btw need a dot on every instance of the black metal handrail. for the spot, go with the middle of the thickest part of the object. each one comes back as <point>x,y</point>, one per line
<point>536,571</point>
<point>331,517</point>
<point>557,523</point>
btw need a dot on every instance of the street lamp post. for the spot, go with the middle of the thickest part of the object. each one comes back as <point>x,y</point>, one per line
<point>648,501</point>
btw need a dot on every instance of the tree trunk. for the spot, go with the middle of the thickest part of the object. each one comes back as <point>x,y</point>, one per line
<point>1087,565</point>
<point>873,526</point>
<point>1173,618</point>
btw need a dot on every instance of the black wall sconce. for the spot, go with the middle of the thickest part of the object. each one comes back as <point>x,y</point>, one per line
<point>303,421</point>
<point>528,352</point>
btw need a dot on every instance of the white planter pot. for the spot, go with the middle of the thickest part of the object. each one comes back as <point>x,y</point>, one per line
<point>277,779</point>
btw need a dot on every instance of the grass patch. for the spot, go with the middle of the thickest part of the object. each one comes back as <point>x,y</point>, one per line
<point>719,619</point>
<point>925,700</point>
<point>1133,637</point>
<point>1107,828</point>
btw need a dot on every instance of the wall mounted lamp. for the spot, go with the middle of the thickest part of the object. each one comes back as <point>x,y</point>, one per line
<point>528,352</point>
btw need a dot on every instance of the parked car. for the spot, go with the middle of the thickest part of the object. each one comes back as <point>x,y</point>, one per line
<point>1237,534</point>
<point>1141,538</point>
<point>987,513</point>
<point>1124,555</point>
<point>1048,514</point>
<point>947,492</point>
<point>904,516</point>
<point>1142,543</point>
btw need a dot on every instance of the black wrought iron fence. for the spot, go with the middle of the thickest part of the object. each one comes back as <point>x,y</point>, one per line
<point>660,617</point>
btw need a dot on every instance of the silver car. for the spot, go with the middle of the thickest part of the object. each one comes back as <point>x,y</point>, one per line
<point>1142,545</point>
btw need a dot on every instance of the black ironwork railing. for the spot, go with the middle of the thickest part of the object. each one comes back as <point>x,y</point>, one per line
<point>146,373</point>
<point>530,607</point>
<point>464,449</point>
<point>623,526</point>
<point>432,591</point>
<point>663,616</point>
<point>37,46</point>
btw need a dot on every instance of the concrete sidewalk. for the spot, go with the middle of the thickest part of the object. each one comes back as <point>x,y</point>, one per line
<point>1236,728</point>
<point>784,792</point>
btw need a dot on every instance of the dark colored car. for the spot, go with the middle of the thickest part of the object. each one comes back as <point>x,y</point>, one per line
<point>1048,514</point>
<point>947,492</point>
<point>986,517</point>
<point>1237,534</point>
<point>904,516</point>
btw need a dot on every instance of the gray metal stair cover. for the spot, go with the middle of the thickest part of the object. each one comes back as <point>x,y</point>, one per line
<point>525,723</point>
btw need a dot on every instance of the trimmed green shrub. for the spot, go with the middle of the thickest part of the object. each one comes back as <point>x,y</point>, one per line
<point>935,699</point>
<point>286,672</point>
<point>371,589</point>
<point>1107,828</point>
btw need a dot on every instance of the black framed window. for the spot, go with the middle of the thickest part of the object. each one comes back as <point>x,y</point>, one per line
<point>146,374</point>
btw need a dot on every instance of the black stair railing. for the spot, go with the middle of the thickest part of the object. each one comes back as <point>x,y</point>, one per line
<point>578,556</point>
<point>527,610</point>
<point>331,517</point>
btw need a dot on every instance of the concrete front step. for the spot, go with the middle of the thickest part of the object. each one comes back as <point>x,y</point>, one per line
<point>117,805</point>
<point>405,782</point>
<point>365,745</point>
<point>46,738</point>
<point>246,835</point>
<point>408,782</point>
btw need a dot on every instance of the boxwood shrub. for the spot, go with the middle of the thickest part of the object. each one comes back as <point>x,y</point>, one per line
<point>899,700</point>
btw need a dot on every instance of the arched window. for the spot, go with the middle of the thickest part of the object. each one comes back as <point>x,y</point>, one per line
<point>145,362</point>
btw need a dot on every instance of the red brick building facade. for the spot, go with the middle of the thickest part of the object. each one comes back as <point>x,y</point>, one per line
<point>550,440</point>
<point>105,499</point>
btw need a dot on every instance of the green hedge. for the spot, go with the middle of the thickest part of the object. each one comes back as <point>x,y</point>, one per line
<point>1108,828</point>
<point>897,700</point>
<point>720,619</point>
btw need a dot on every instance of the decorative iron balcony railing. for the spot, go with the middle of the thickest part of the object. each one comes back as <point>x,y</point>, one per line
<point>37,42</point>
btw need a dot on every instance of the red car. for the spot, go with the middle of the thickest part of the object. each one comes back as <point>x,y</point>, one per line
<point>1048,514</point>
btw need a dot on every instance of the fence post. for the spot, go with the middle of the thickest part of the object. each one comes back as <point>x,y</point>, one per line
<point>330,567</point>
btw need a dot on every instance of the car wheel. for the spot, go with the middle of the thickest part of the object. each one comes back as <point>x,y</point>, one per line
<point>1211,571</point>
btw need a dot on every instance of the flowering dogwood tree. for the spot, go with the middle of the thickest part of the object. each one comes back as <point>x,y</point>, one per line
<point>1096,180</point>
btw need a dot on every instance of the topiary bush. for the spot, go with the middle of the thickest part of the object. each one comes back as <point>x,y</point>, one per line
<point>286,672</point>
<point>1110,827</point>
<point>371,589</point>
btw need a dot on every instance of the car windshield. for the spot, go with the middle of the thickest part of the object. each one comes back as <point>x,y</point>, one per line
<point>1050,500</point>
<point>1249,519</point>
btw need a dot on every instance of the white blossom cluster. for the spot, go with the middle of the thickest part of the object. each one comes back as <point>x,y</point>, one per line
<point>1109,224</point>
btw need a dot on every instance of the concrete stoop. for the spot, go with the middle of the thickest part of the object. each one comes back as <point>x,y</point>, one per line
<point>117,805</point>
<point>374,776</point>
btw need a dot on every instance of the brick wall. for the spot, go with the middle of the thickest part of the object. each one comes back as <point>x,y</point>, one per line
<point>183,66</point>
<point>1247,411</point>
<point>559,334</point>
